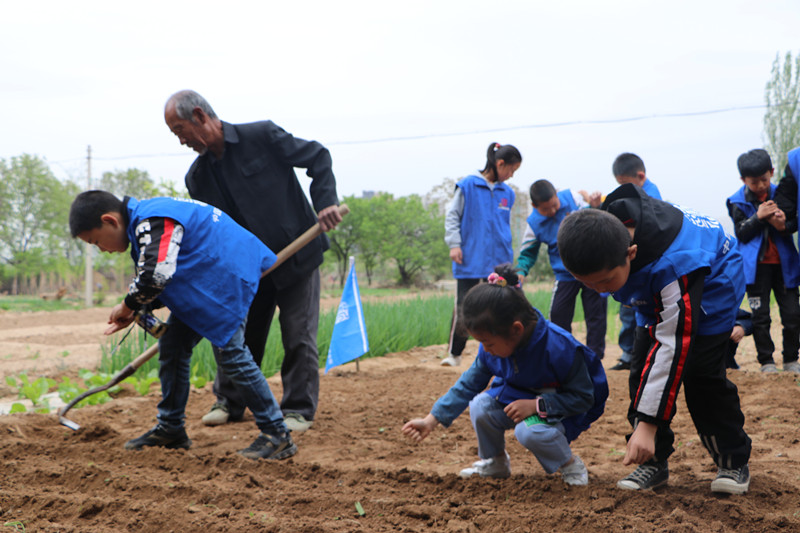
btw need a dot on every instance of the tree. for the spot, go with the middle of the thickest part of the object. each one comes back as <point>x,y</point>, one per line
<point>414,236</point>
<point>131,182</point>
<point>782,118</point>
<point>34,209</point>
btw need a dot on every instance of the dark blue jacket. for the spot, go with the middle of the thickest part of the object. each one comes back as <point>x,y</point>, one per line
<point>553,366</point>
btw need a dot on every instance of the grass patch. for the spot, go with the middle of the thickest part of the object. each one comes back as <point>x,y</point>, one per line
<point>392,326</point>
<point>31,303</point>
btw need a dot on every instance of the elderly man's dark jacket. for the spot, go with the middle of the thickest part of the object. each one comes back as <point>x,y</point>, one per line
<point>263,193</point>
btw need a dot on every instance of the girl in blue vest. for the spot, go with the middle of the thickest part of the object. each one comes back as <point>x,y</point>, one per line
<point>547,386</point>
<point>478,231</point>
<point>771,264</point>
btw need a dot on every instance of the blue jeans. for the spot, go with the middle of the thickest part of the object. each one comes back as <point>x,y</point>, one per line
<point>627,316</point>
<point>234,360</point>
<point>546,441</point>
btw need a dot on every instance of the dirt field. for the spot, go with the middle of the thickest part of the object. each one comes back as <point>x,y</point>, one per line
<point>53,479</point>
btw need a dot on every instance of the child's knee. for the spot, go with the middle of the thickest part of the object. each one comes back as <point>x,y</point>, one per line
<point>537,435</point>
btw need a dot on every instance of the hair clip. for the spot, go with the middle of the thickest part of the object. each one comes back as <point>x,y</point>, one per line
<point>496,279</point>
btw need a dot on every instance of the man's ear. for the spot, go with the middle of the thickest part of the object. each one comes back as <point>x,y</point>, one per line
<point>199,116</point>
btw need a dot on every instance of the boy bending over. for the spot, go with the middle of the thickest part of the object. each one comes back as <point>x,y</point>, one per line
<point>683,276</point>
<point>197,261</point>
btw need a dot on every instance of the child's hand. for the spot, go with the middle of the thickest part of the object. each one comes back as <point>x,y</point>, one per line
<point>456,255</point>
<point>419,428</point>
<point>641,445</point>
<point>519,410</point>
<point>737,334</point>
<point>767,210</point>
<point>778,220</point>
<point>120,317</point>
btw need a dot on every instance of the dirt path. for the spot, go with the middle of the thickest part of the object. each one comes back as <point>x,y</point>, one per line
<point>53,479</point>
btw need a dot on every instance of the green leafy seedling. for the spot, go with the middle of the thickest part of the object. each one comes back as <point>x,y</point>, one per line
<point>360,509</point>
<point>17,407</point>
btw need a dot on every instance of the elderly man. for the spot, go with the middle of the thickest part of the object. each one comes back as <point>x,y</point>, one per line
<point>247,170</point>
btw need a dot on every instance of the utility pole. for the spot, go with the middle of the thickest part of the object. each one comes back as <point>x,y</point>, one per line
<point>89,267</point>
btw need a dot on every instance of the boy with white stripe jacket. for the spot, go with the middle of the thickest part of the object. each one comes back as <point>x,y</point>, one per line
<point>683,276</point>
<point>194,259</point>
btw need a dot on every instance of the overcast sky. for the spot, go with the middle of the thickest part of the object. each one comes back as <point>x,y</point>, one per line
<point>406,93</point>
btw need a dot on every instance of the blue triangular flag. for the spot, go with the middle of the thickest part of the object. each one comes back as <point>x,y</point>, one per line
<point>349,338</point>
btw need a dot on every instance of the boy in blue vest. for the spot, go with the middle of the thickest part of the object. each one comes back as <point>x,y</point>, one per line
<point>771,262</point>
<point>194,259</point>
<point>549,210</point>
<point>629,168</point>
<point>683,275</point>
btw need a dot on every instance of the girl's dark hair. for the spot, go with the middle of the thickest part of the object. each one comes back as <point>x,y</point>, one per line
<point>496,151</point>
<point>493,308</point>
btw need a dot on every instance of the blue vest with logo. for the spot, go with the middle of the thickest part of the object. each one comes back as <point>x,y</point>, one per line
<point>546,230</point>
<point>700,244</point>
<point>485,228</point>
<point>219,265</point>
<point>541,366</point>
<point>790,264</point>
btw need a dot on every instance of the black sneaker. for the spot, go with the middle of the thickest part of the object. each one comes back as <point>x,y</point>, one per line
<point>160,436</point>
<point>646,476</point>
<point>732,480</point>
<point>268,446</point>
<point>621,365</point>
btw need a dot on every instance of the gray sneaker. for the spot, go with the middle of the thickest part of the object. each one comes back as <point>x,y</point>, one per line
<point>268,446</point>
<point>575,473</point>
<point>794,366</point>
<point>497,467</point>
<point>649,475</point>
<point>769,368</point>
<point>732,480</point>
<point>451,360</point>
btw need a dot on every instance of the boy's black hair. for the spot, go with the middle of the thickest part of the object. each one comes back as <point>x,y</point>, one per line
<point>754,163</point>
<point>508,153</point>
<point>88,207</point>
<point>542,191</point>
<point>493,308</point>
<point>627,164</point>
<point>591,240</point>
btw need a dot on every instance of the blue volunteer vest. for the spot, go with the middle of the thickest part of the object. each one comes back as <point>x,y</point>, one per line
<point>701,243</point>
<point>542,365</point>
<point>485,228</point>
<point>790,263</point>
<point>546,230</point>
<point>219,265</point>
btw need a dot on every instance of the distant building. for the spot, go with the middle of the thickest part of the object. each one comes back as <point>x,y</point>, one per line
<point>366,195</point>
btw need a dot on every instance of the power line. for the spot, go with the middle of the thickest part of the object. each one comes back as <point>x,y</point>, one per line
<point>557,124</point>
<point>488,130</point>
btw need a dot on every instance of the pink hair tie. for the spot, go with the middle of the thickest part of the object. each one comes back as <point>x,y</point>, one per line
<point>496,279</point>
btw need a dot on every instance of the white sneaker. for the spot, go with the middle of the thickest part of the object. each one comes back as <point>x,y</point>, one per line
<point>575,473</point>
<point>497,467</point>
<point>451,360</point>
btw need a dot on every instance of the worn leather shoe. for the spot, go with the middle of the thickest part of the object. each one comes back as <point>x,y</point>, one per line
<point>218,415</point>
